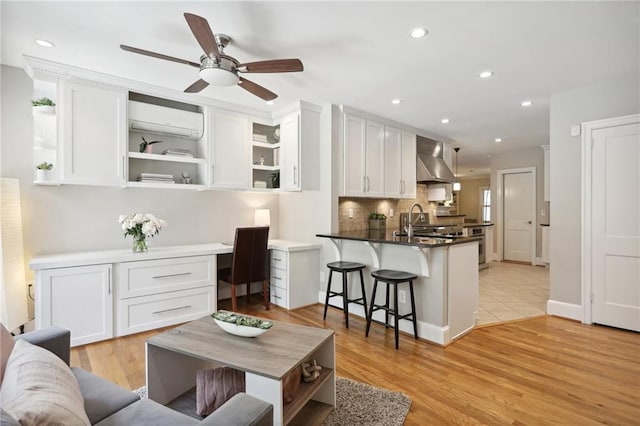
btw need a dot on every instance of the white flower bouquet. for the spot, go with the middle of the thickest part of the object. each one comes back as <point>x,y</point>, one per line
<point>140,226</point>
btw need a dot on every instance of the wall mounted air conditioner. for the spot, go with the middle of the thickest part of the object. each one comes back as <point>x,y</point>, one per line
<point>162,120</point>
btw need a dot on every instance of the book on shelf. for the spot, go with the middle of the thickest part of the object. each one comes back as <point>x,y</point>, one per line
<point>177,151</point>
<point>260,138</point>
<point>155,176</point>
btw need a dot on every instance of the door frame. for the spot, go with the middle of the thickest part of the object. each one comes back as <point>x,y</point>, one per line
<point>587,129</point>
<point>500,209</point>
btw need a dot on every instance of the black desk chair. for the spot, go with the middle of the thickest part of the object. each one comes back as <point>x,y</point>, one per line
<point>249,263</point>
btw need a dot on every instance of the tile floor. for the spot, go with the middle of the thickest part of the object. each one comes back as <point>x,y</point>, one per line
<point>510,291</point>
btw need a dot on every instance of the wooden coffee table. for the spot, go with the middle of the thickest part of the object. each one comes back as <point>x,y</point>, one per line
<point>175,356</point>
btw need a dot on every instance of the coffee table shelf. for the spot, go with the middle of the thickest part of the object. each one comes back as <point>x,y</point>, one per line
<point>303,398</point>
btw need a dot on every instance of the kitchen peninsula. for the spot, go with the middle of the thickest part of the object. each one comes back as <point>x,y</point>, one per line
<point>447,269</point>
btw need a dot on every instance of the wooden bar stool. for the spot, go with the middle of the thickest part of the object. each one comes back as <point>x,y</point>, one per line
<point>344,268</point>
<point>392,278</point>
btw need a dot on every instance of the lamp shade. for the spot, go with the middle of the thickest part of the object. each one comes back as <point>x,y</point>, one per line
<point>262,217</point>
<point>13,288</point>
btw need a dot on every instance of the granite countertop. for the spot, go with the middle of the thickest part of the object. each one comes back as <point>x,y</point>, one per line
<point>476,225</point>
<point>388,237</point>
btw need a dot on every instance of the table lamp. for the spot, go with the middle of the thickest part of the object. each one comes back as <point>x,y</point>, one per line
<point>262,217</point>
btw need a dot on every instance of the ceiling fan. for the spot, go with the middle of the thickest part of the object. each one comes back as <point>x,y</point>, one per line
<point>219,69</point>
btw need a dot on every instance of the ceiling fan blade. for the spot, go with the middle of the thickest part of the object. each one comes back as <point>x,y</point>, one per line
<point>274,65</point>
<point>202,31</point>
<point>158,55</point>
<point>197,86</point>
<point>256,89</point>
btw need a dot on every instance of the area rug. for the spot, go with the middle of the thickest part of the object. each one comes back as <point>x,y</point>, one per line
<point>360,404</point>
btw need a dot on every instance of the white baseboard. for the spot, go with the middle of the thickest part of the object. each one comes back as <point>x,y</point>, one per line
<point>426,331</point>
<point>540,261</point>
<point>565,310</point>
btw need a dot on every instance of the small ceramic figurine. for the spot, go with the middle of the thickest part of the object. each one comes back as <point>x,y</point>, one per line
<point>310,371</point>
<point>186,178</point>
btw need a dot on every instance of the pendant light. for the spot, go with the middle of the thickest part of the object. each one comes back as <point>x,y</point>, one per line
<point>456,185</point>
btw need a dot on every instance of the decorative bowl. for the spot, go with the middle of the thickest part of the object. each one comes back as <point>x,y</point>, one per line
<point>240,325</point>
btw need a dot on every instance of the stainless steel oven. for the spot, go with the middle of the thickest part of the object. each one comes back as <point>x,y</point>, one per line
<point>480,231</point>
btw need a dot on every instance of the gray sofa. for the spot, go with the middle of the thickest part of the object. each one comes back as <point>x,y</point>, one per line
<point>108,404</point>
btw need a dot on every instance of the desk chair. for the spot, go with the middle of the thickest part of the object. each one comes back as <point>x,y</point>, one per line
<point>249,263</point>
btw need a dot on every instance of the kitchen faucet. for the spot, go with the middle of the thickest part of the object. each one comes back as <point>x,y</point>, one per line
<point>410,224</point>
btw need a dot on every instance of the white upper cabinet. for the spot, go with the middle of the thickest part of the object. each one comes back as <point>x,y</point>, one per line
<point>374,159</point>
<point>400,163</point>
<point>354,147</point>
<point>93,134</point>
<point>290,152</point>
<point>408,165</point>
<point>393,162</point>
<point>363,157</point>
<point>229,136</point>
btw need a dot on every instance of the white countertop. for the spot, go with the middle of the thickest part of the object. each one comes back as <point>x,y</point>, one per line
<point>63,260</point>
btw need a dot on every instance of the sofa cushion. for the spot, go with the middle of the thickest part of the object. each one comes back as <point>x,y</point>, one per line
<point>146,412</point>
<point>7,419</point>
<point>39,388</point>
<point>6,346</point>
<point>101,397</point>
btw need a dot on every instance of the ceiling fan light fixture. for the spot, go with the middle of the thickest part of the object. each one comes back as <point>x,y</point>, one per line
<point>219,77</point>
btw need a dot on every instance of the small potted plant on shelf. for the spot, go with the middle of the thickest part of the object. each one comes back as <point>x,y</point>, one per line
<point>44,105</point>
<point>43,171</point>
<point>146,146</point>
<point>377,221</point>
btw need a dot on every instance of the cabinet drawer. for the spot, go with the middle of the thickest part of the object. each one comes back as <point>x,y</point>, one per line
<point>279,259</point>
<point>148,312</point>
<point>279,296</point>
<point>149,277</point>
<point>279,278</point>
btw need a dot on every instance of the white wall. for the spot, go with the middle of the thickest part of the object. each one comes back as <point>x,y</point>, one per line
<point>618,98</point>
<point>77,218</point>
<point>529,157</point>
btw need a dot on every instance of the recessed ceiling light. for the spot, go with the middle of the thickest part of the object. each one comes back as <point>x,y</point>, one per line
<point>445,121</point>
<point>526,103</point>
<point>419,32</point>
<point>44,43</point>
<point>486,74</point>
<point>270,103</point>
<point>497,140</point>
<point>396,101</point>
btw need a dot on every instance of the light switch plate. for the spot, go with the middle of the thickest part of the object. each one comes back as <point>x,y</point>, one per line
<point>390,212</point>
<point>543,212</point>
<point>350,213</point>
<point>575,130</point>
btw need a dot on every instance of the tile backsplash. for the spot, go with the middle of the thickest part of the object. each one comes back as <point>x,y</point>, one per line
<point>362,207</point>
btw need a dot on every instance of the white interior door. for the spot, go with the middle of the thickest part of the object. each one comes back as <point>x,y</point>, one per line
<point>615,226</point>
<point>518,216</point>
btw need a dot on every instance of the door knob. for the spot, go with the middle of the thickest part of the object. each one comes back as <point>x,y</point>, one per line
<point>529,222</point>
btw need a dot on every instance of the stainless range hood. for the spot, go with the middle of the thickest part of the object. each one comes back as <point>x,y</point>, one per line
<point>431,167</point>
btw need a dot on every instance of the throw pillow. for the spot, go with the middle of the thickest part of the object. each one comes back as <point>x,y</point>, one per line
<point>215,387</point>
<point>39,388</point>
<point>6,346</point>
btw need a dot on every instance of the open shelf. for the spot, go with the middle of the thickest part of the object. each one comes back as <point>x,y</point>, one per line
<point>303,404</point>
<point>269,168</point>
<point>266,144</point>
<point>135,184</point>
<point>161,157</point>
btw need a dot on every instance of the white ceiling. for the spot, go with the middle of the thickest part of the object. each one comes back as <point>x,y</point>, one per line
<point>360,54</point>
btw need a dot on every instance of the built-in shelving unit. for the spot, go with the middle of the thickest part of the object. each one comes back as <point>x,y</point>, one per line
<point>265,156</point>
<point>180,171</point>
<point>45,134</point>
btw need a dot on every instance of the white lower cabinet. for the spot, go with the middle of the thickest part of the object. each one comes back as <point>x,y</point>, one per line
<point>79,299</point>
<point>163,309</point>
<point>292,281</point>
<point>96,304</point>
<point>162,292</point>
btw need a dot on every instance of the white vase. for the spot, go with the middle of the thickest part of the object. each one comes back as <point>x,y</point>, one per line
<point>44,109</point>
<point>43,175</point>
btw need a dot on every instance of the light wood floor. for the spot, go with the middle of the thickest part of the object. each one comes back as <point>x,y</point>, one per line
<point>538,371</point>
